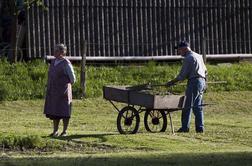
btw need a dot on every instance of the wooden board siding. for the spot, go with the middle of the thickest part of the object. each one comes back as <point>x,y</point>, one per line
<point>140,27</point>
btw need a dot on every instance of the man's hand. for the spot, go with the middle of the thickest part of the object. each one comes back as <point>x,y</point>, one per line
<point>170,83</point>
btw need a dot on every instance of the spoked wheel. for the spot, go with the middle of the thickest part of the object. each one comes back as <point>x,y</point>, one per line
<point>155,121</point>
<point>128,120</point>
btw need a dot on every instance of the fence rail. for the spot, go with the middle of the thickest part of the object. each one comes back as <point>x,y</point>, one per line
<point>155,58</point>
<point>121,28</point>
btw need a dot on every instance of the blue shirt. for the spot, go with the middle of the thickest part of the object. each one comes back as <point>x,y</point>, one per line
<point>193,66</point>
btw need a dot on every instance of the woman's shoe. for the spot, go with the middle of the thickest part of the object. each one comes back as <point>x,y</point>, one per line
<point>63,134</point>
<point>54,134</point>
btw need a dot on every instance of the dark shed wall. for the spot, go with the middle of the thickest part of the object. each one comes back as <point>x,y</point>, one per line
<point>140,27</point>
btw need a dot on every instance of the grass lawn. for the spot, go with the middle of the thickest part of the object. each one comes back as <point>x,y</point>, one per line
<point>93,138</point>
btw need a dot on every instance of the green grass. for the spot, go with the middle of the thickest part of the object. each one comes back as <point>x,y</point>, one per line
<point>93,138</point>
<point>25,81</point>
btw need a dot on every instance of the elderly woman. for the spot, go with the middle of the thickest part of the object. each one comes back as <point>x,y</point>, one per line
<point>59,90</point>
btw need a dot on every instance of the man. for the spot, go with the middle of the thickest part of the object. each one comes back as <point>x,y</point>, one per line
<point>58,103</point>
<point>194,70</point>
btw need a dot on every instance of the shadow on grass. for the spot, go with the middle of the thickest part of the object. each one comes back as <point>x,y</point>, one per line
<point>75,137</point>
<point>145,159</point>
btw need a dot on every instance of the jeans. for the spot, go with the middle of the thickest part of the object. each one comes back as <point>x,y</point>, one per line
<point>194,98</point>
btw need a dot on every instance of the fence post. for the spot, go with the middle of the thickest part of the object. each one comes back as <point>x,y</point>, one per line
<point>83,68</point>
<point>204,49</point>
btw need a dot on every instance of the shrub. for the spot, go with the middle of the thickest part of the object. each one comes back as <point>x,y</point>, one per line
<point>21,142</point>
<point>27,80</point>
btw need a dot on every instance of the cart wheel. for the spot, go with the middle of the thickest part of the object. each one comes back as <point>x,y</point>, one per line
<point>155,121</point>
<point>128,120</point>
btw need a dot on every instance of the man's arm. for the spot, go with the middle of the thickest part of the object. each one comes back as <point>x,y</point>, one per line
<point>183,74</point>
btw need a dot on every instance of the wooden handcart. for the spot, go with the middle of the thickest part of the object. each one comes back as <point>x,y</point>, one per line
<point>138,100</point>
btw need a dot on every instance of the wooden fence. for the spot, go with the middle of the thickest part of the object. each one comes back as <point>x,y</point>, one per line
<point>140,27</point>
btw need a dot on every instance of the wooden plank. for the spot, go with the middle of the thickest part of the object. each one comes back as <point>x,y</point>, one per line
<point>72,28</point>
<point>243,26</point>
<point>56,21</point>
<point>198,28</point>
<point>249,26</point>
<point>163,21</point>
<point>184,19</point>
<point>193,24</point>
<point>230,28</point>
<point>225,34</point>
<point>62,22</point>
<point>102,27</point>
<point>211,27</point>
<point>91,20</point>
<point>159,28</point>
<point>246,36</point>
<point>235,23</point>
<point>96,41</point>
<point>106,28</point>
<point>116,28</point>
<point>77,28</point>
<point>67,27</point>
<point>126,28</point>
<point>131,29</point>
<point>87,21</point>
<point>136,27</point>
<point>145,29</point>
<point>121,28</point>
<point>186,16</point>
<point>202,27</point>
<point>155,28</point>
<point>139,12</point>
<point>149,21</point>
<point>215,26</point>
<point>170,29</point>
<point>220,24</point>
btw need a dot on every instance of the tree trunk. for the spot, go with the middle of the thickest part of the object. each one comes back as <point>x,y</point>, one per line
<point>12,55</point>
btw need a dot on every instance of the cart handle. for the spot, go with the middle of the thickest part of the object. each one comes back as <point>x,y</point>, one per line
<point>149,85</point>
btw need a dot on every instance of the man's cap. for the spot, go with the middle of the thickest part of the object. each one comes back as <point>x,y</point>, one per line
<point>182,44</point>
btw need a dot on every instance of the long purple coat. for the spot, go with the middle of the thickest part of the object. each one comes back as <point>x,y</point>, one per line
<point>59,92</point>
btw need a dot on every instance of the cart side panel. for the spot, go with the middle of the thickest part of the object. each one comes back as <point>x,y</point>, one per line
<point>141,99</point>
<point>169,102</point>
<point>119,94</point>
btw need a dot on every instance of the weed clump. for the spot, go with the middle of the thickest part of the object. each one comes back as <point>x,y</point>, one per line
<point>20,142</point>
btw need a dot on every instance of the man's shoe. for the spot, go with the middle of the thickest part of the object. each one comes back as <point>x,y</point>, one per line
<point>199,131</point>
<point>183,130</point>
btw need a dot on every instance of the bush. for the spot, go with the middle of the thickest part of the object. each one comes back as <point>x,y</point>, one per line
<point>22,80</point>
<point>3,91</point>
<point>27,80</point>
<point>21,142</point>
